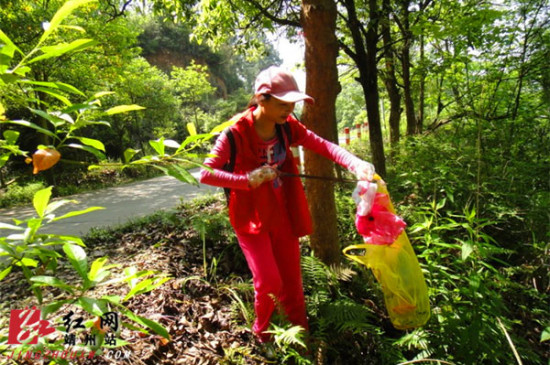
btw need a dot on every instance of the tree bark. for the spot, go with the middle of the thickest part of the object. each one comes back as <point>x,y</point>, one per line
<point>318,19</point>
<point>370,85</point>
<point>422,91</point>
<point>406,67</point>
<point>390,80</point>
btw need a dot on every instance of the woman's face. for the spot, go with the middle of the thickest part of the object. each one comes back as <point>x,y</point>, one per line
<point>276,110</point>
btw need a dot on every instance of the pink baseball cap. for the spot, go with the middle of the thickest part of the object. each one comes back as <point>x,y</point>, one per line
<point>280,84</point>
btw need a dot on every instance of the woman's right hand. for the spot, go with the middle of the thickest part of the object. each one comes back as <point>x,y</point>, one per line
<point>260,175</point>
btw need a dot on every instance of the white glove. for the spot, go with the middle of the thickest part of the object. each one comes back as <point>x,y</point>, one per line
<point>364,171</point>
<point>260,175</point>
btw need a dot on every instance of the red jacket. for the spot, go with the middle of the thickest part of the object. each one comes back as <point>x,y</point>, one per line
<point>253,210</point>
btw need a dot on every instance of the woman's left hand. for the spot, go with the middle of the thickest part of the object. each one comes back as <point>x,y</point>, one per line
<point>364,171</point>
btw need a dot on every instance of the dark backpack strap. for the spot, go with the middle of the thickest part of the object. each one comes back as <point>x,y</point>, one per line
<point>280,136</point>
<point>230,165</point>
<point>288,132</point>
<point>282,131</point>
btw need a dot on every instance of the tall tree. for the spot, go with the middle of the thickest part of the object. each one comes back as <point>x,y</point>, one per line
<point>405,27</point>
<point>363,50</point>
<point>319,24</point>
<point>390,79</point>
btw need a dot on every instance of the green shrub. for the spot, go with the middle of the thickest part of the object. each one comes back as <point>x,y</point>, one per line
<point>18,194</point>
<point>479,225</point>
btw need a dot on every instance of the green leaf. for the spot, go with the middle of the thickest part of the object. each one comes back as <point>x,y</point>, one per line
<point>102,94</point>
<point>181,174</point>
<point>5,272</point>
<point>55,94</point>
<point>7,41</point>
<point>24,123</point>
<point>52,281</point>
<point>191,129</point>
<point>55,85</point>
<point>157,327</point>
<point>545,335</point>
<point>41,200</point>
<point>52,307</point>
<point>53,206</point>
<point>26,261</point>
<point>93,306</point>
<point>140,286</point>
<point>171,143</point>
<point>77,258</point>
<point>221,127</point>
<point>467,249</point>
<point>195,139</point>
<point>61,14</point>
<point>11,136</point>
<point>72,239</point>
<point>55,120</point>
<point>77,212</point>
<point>2,112</point>
<point>123,109</point>
<point>93,151</point>
<point>113,299</point>
<point>145,286</point>
<point>96,268</point>
<point>79,107</point>
<point>10,226</point>
<point>22,71</point>
<point>158,146</point>
<point>60,49</point>
<point>98,145</point>
<point>129,154</point>
<point>73,27</point>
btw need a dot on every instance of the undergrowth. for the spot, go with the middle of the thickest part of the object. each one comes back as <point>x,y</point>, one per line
<point>481,240</point>
<point>478,221</point>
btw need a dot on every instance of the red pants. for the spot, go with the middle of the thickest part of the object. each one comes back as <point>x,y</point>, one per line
<point>274,259</point>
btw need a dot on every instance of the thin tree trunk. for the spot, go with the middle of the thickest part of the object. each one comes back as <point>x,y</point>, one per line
<point>422,89</point>
<point>390,80</point>
<point>319,24</point>
<point>370,86</point>
<point>364,56</point>
<point>406,66</point>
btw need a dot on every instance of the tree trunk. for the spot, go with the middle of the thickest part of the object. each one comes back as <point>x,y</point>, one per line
<point>370,86</point>
<point>406,67</point>
<point>365,59</point>
<point>318,19</point>
<point>390,80</point>
<point>422,91</point>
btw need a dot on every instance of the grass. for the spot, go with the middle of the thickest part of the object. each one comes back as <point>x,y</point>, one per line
<point>16,194</point>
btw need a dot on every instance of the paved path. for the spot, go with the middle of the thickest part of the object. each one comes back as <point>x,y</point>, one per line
<point>122,203</point>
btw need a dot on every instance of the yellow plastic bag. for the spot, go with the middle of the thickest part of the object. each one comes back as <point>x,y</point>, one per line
<point>396,268</point>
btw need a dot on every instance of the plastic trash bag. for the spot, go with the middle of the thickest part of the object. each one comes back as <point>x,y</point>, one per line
<point>389,254</point>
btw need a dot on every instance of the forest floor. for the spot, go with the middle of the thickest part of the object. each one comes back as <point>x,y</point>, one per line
<point>199,314</point>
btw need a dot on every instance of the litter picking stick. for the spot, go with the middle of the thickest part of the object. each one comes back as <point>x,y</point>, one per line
<point>326,178</point>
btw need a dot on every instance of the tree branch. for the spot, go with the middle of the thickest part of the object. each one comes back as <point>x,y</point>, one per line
<point>265,12</point>
<point>117,13</point>
<point>348,51</point>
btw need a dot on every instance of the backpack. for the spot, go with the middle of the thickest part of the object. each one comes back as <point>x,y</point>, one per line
<point>230,165</point>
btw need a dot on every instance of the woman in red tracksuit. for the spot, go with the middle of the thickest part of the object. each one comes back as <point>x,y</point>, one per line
<point>267,209</point>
